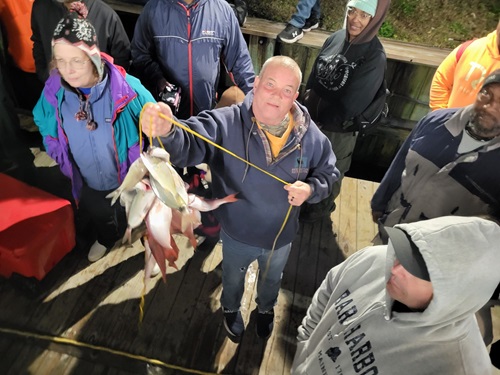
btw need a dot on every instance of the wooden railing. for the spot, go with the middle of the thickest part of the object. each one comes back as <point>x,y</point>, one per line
<point>395,50</point>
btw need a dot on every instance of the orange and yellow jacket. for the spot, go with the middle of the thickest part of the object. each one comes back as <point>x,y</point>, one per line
<point>15,15</point>
<point>459,78</point>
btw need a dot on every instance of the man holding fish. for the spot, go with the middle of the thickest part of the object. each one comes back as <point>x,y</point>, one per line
<point>282,160</point>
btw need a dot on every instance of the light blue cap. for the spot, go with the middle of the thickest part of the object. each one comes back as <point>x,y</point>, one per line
<point>368,6</point>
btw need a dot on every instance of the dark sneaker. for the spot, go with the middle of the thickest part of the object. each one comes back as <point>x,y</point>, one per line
<point>311,23</point>
<point>291,34</point>
<point>265,324</point>
<point>233,323</point>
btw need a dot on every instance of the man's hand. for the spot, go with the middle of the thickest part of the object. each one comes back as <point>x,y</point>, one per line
<point>152,124</point>
<point>298,192</point>
<point>376,215</point>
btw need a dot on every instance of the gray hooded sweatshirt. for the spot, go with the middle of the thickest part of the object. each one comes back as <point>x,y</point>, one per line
<point>350,327</point>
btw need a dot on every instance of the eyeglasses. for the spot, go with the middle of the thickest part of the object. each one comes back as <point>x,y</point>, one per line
<point>487,98</point>
<point>484,96</point>
<point>75,64</point>
<point>353,12</point>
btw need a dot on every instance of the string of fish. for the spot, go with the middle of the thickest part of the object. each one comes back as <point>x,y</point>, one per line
<point>187,129</point>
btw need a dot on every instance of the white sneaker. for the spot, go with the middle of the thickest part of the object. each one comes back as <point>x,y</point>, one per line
<point>96,252</point>
<point>156,270</point>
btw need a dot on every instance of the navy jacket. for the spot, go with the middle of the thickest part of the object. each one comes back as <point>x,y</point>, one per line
<point>185,46</point>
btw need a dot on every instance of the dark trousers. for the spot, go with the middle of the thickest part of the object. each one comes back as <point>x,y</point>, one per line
<point>96,211</point>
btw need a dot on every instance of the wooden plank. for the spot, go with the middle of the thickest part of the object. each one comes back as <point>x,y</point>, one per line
<point>346,234</point>
<point>260,49</point>
<point>366,228</point>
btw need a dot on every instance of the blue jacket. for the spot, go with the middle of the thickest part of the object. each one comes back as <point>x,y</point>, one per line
<point>185,46</point>
<point>128,98</point>
<point>429,178</point>
<point>256,218</point>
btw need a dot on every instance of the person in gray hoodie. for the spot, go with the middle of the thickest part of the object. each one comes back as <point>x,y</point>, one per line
<point>406,307</point>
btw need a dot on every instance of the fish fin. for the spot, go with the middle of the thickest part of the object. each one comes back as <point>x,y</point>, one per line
<point>114,195</point>
<point>159,255</point>
<point>189,220</point>
<point>148,260</point>
<point>127,237</point>
<point>172,254</point>
<point>231,198</point>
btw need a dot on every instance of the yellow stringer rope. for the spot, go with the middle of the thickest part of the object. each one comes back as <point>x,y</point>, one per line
<point>67,341</point>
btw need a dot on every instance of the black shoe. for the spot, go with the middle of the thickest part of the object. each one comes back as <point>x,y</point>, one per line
<point>233,323</point>
<point>265,324</point>
<point>311,23</point>
<point>291,34</point>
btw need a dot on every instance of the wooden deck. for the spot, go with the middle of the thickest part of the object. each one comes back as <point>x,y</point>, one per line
<point>85,317</point>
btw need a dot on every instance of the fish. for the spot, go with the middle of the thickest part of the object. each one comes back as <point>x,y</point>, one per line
<point>204,205</point>
<point>167,197</point>
<point>168,186</point>
<point>139,208</point>
<point>166,181</point>
<point>154,254</point>
<point>177,225</point>
<point>149,260</point>
<point>135,174</point>
<point>161,255</point>
<point>159,153</point>
<point>126,198</point>
<point>158,221</point>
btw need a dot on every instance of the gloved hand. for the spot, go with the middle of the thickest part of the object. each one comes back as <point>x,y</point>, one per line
<point>240,9</point>
<point>171,95</point>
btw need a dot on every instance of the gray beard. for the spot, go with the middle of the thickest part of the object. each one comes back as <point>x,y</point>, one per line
<point>478,132</point>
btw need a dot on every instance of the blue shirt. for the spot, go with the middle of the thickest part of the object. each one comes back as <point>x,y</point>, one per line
<point>92,150</point>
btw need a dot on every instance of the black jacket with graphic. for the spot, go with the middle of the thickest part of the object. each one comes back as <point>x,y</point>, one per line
<point>344,80</point>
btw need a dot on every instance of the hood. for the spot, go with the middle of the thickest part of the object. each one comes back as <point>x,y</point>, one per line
<point>462,255</point>
<point>493,45</point>
<point>374,25</point>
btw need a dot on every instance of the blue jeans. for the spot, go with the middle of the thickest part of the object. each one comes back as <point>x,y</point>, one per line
<point>236,257</point>
<point>305,9</point>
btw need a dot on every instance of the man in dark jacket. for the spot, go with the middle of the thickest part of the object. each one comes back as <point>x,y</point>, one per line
<point>111,34</point>
<point>447,165</point>
<point>183,43</point>
<point>346,76</point>
<point>277,135</point>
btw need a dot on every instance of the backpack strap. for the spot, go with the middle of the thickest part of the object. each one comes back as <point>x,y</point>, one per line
<point>462,48</point>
